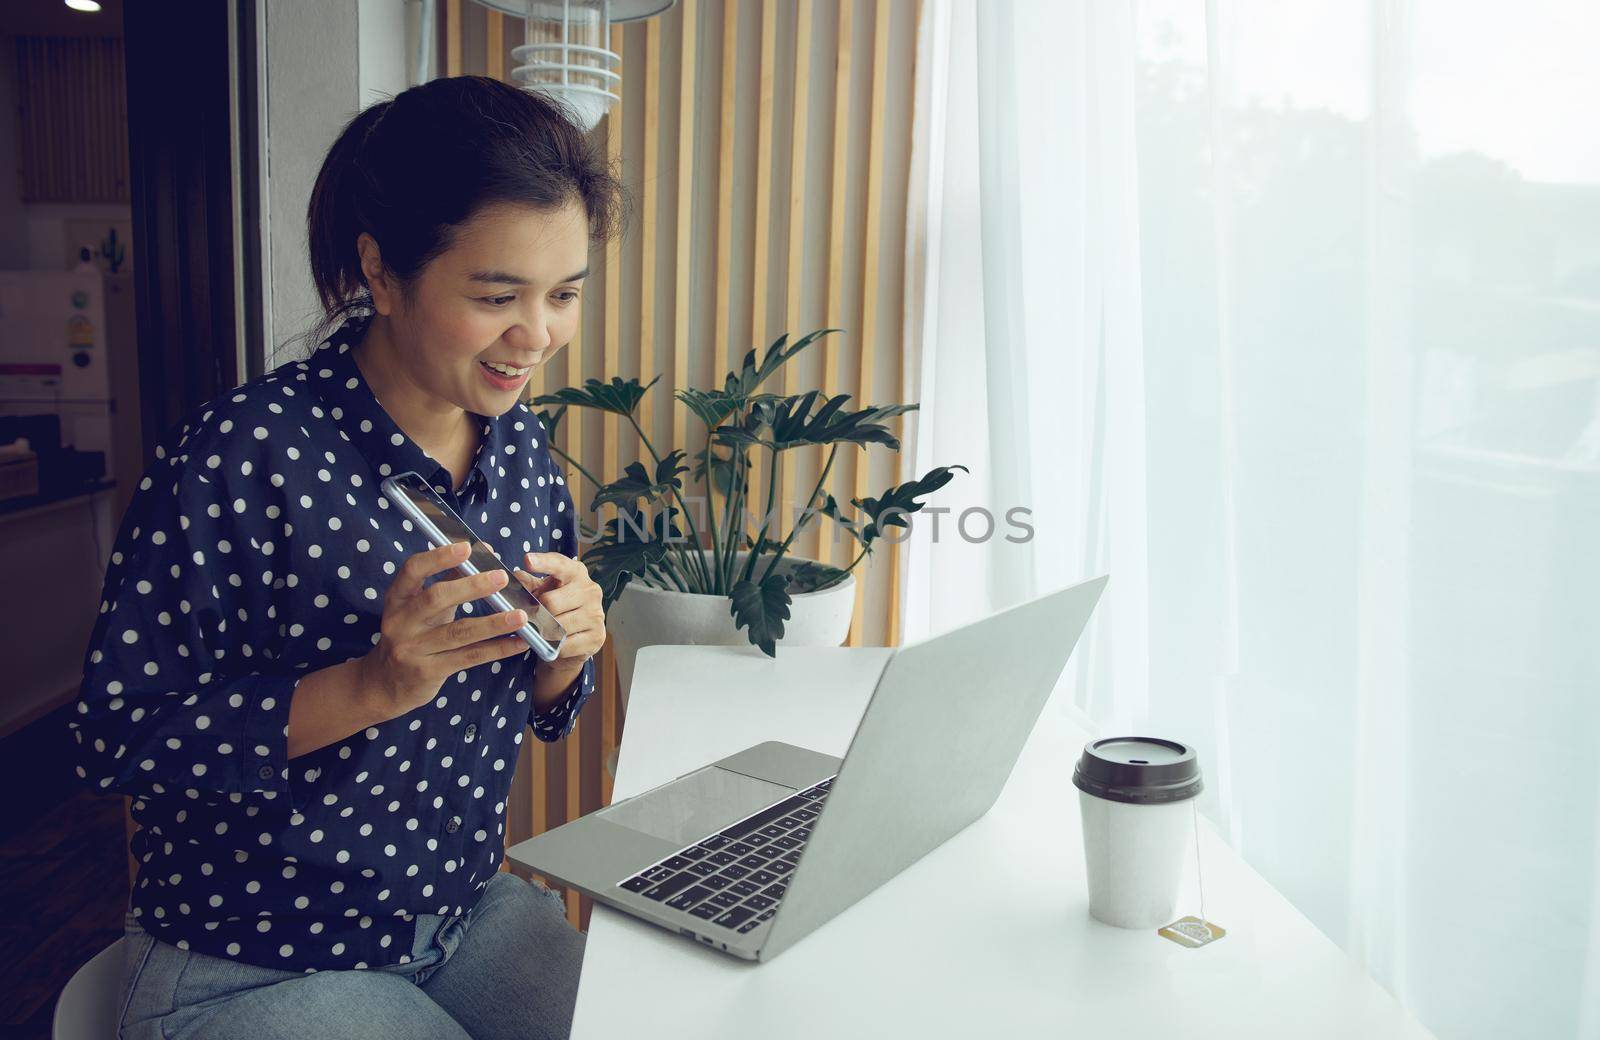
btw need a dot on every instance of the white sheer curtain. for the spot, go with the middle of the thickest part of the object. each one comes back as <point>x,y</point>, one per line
<point>1288,317</point>
<point>1023,319</point>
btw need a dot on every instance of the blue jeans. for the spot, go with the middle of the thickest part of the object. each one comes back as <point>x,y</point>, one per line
<point>506,968</point>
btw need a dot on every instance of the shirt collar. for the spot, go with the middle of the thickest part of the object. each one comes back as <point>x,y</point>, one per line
<point>364,422</point>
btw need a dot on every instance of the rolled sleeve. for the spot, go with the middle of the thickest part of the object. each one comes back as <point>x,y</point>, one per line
<point>264,741</point>
<point>182,686</point>
<point>556,723</point>
<point>550,726</point>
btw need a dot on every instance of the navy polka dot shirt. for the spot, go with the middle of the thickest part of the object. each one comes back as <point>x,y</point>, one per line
<point>258,548</point>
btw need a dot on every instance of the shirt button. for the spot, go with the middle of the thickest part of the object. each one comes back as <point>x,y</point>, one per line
<point>472,731</point>
<point>266,772</point>
<point>454,824</point>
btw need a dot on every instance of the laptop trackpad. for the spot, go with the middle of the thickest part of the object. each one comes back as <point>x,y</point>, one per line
<point>691,807</point>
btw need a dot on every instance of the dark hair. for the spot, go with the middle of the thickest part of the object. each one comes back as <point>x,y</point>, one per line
<point>410,170</point>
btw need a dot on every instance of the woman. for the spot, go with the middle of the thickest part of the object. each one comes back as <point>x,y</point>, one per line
<point>317,719</point>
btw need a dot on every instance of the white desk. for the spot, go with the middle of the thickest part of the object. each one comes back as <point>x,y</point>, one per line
<point>989,935</point>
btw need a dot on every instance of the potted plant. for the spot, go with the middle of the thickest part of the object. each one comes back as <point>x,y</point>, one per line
<point>671,573</point>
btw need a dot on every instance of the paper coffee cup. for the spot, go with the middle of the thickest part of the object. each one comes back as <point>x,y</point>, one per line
<point>1135,794</point>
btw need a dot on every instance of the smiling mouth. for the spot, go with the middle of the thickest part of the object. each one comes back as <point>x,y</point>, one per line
<point>506,371</point>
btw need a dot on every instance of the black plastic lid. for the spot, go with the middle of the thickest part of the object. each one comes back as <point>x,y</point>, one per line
<point>1138,770</point>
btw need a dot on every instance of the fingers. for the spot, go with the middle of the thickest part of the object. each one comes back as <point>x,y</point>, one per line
<point>567,585</point>
<point>481,652</point>
<point>557,565</point>
<point>576,607</point>
<point>537,586</point>
<point>424,565</point>
<point>468,630</point>
<point>444,596</point>
<point>573,597</point>
<point>558,596</point>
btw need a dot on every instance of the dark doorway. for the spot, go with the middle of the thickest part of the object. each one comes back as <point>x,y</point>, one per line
<point>188,70</point>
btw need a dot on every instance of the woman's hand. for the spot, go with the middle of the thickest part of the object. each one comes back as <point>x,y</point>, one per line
<point>567,591</point>
<point>423,642</point>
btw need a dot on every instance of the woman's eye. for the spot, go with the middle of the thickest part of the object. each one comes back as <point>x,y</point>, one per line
<point>567,295</point>
<point>498,301</point>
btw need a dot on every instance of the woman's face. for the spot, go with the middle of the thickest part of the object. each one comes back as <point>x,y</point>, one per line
<point>505,294</point>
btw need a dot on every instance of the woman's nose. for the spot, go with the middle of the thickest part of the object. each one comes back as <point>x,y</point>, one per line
<point>533,338</point>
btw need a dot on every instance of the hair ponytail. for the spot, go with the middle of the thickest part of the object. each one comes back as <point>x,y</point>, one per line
<point>411,170</point>
<point>335,219</point>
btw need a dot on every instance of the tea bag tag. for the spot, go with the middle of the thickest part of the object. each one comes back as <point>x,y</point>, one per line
<point>1194,932</point>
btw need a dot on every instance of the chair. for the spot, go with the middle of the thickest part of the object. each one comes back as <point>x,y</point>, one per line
<point>87,1008</point>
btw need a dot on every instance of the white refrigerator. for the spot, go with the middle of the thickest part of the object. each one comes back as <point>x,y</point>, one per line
<point>67,347</point>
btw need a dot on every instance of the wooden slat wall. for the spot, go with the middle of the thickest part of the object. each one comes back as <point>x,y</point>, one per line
<point>822,533</point>
<point>764,145</point>
<point>871,246</point>
<point>762,224</point>
<point>72,120</point>
<point>794,259</point>
<point>688,125</point>
<point>725,175</point>
<point>453,38</point>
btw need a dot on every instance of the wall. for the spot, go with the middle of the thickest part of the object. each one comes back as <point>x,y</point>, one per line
<point>312,85</point>
<point>324,62</point>
<point>385,32</point>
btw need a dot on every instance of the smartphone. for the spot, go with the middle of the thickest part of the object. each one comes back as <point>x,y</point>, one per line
<point>420,504</point>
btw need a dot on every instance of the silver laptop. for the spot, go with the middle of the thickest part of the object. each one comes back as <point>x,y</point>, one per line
<point>752,853</point>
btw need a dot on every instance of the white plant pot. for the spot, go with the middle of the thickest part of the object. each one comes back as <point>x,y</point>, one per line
<point>647,616</point>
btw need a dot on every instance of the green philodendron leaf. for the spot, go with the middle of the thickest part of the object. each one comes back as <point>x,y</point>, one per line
<point>830,508</point>
<point>629,544</point>
<point>709,406</point>
<point>620,396</point>
<point>761,608</point>
<point>747,431</point>
<point>892,507</point>
<point>721,468</point>
<point>761,547</point>
<point>811,576</point>
<point>743,384</point>
<point>713,407</point>
<point>799,420</point>
<point>730,435</point>
<point>637,483</point>
<point>550,420</point>
<point>885,411</point>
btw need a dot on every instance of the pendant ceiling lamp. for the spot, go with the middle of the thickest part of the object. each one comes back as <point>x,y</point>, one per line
<point>566,54</point>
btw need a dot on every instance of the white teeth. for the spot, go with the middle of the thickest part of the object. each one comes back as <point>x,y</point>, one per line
<point>505,370</point>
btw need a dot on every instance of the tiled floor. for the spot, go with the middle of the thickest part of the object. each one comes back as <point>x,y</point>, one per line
<point>63,876</point>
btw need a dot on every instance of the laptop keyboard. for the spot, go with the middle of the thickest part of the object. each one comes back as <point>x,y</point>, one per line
<point>735,877</point>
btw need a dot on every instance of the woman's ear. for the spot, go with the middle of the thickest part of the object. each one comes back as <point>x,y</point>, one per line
<point>384,295</point>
